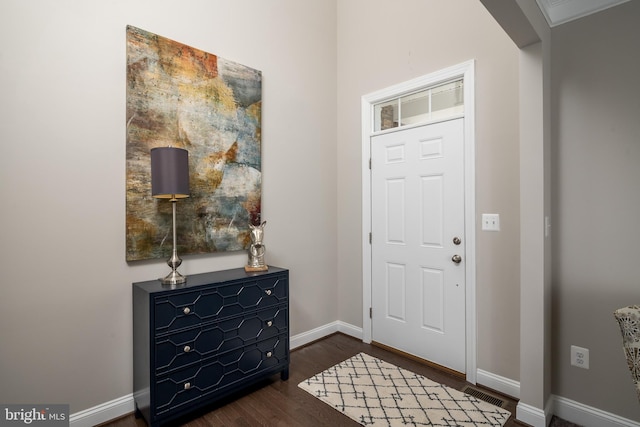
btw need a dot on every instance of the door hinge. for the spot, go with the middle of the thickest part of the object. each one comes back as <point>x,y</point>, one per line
<point>369,163</point>
<point>370,312</point>
<point>370,237</point>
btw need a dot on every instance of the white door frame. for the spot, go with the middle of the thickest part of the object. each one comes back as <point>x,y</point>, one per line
<point>465,70</point>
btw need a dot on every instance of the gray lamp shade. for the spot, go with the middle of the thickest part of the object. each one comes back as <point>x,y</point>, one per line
<point>169,173</point>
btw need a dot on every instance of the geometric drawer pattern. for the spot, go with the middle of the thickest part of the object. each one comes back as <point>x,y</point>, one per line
<point>183,309</point>
<point>195,383</point>
<point>219,333</point>
<point>183,348</point>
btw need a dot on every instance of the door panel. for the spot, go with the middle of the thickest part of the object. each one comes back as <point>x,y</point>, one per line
<point>433,299</point>
<point>396,292</point>
<point>418,292</point>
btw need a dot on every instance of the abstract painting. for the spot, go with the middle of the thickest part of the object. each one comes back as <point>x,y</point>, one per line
<point>179,96</point>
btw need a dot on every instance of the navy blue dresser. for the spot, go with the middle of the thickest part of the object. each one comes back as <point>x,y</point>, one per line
<point>218,334</point>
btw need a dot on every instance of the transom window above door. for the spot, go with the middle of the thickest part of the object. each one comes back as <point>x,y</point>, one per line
<point>436,103</point>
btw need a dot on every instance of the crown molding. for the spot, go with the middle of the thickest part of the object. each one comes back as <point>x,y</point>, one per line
<point>558,12</point>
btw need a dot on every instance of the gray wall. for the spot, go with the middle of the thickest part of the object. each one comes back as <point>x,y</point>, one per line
<point>66,302</point>
<point>596,174</point>
<point>67,297</point>
<point>65,307</point>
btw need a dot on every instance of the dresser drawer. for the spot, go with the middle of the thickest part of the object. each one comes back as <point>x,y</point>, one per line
<point>183,348</point>
<point>214,376</point>
<point>178,310</point>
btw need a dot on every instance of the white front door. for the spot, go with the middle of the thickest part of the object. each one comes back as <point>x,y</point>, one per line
<point>417,218</point>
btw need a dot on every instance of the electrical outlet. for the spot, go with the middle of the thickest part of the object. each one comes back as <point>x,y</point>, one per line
<point>491,222</point>
<point>580,357</point>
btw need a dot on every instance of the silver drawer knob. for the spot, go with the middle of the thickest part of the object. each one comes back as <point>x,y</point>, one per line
<point>187,349</point>
<point>186,310</point>
<point>268,292</point>
<point>187,386</point>
<point>269,354</point>
<point>269,323</point>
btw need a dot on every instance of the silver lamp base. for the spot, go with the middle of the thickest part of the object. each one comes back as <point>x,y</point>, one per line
<point>174,278</point>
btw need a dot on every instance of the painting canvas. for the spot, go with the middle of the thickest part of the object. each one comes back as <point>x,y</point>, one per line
<point>179,96</point>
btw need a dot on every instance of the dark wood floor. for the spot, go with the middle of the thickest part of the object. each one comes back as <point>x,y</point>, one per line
<point>282,403</point>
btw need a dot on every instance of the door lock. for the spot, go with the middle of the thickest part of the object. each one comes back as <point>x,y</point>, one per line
<point>456,241</point>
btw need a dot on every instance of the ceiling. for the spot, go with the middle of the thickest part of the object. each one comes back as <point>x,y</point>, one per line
<point>560,11</point>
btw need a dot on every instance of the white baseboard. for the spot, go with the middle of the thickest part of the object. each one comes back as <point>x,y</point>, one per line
<point>572,411</point>
<point>588,416</point>
<point>531,415</point>
<point>562,407</point>
<point>312,335</point>
<point>496,382</point>
<point>125,405</point>
<point>323,331</point>
<point>104,412</point>
<point>349,329</point>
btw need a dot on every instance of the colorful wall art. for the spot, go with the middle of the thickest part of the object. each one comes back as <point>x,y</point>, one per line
<point>183,97</point>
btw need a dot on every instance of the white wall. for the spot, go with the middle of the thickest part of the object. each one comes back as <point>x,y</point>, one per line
<point>65,309</point>
<point>596,134</point>
<point>382,43</point>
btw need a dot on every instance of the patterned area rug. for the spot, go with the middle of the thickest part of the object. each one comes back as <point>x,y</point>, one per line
<point>376,393</point>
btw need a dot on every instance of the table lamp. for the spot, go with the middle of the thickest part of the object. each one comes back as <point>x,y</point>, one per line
<point>170,180</point>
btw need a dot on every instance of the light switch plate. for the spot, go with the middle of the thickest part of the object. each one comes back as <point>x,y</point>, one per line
<point>491,222</point>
